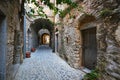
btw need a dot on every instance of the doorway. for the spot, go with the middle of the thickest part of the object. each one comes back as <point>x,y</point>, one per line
<point>3,45</point>
<point>89,48</point>
<point>56,42</point>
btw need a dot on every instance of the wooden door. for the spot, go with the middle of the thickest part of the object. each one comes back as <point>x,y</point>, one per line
<point>89,48</point>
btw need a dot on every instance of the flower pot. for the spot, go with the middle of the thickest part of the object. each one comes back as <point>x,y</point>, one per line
<point>27,54</point>
<point>33,49</point>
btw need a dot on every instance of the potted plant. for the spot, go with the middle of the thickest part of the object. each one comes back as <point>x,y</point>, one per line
<point>28,54</point>
<point>93,75</point>
<point>33,49</point>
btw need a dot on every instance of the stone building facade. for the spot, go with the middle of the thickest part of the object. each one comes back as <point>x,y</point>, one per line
<point>11,37</point>
<point>89,37</point>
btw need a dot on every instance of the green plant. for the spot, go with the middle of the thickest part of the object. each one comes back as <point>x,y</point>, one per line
<point>80,8</point>
<point>105,12</point>
<point>93,75</point>
<point>65,12</point>
<point>52,6</point>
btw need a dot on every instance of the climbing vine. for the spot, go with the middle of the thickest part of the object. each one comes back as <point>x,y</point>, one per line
<point>105,12</point>
<point>39,9</point>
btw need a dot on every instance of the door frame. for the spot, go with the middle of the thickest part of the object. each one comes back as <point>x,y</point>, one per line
<point>88,26</point>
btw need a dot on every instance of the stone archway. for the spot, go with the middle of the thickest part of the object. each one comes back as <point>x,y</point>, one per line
<point>41,24</point>
<point>40,33</point>
<point>3,46</point>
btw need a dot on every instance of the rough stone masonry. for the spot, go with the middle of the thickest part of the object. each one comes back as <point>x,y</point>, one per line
<point>12,34</point>
<point>105,15</point>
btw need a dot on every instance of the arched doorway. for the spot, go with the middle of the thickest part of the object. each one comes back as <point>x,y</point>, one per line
<point>88,42</point>
<point>45,39</point>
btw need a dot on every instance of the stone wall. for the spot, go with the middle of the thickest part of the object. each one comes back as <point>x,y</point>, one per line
<point>69,41</point>
<point>105,15</point>
<point>12,10</point>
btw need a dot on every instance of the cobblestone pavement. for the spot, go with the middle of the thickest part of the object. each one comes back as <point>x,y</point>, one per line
<point>45,65</point>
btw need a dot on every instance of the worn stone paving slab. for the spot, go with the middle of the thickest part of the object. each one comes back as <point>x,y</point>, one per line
<point>45,65</point>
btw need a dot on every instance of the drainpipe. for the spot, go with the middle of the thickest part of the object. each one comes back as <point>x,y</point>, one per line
<point>24,36</point>
<point>54,31</point>
<point>24,28</point>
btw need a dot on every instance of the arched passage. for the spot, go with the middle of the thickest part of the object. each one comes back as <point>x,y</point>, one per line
<point>38,28</point>
<point>41,32</point>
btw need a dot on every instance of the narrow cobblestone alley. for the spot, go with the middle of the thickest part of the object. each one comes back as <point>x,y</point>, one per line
<point>59,39</point>
<point>45,65</point>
